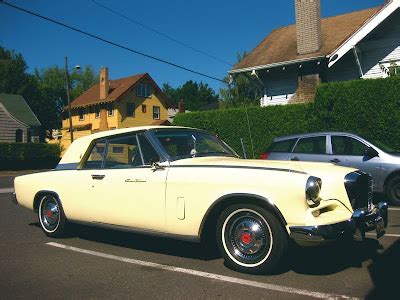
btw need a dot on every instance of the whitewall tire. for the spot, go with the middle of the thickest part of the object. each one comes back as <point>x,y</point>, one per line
<point>250,238</point>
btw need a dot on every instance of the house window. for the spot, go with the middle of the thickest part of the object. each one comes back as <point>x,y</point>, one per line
<point>144,108</point>
<point>156,112</point>
<point>81,113</point>
<point>118,149</point>
<point>97,111</point>
<point>130,110</point>
<point>143,90</point>
<point>19,136</point>
<point>110,109</point>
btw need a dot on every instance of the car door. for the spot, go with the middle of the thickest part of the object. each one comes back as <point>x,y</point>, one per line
<point>310,149</point>
<point>127,191</point>
<point>350,152</point>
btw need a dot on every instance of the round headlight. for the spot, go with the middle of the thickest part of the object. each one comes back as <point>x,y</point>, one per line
<point>313,188</point>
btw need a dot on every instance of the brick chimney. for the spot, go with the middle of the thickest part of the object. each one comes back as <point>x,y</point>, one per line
<point>308,26</point>
<point>104,83</point>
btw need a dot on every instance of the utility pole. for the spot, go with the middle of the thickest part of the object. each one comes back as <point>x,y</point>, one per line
<point>71,130</point>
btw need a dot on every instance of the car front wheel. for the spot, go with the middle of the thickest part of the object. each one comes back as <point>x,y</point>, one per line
<point>251,239</point>
<point>51,216</point>
<point>393,190</point>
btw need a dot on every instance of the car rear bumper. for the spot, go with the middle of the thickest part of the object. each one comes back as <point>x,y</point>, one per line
<point>14,198</point>
<point>362,221</point>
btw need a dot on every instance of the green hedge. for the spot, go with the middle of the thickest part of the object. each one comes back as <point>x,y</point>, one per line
<point>370,108</point>
<point>18,156</point>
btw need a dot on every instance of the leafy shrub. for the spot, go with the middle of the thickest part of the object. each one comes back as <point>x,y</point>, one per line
<point>370,108</point>
<point>17,156</point>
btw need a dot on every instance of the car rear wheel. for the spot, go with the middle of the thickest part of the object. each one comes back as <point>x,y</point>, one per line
<point>51,216</point>
<point>250,239</point>
<point>393,190</point>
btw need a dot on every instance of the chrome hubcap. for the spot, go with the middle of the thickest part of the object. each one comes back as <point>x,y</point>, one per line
<point>247,237</point>
<point>50,214</point>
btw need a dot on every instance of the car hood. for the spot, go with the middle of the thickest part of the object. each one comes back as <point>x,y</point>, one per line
<point>313,168</point>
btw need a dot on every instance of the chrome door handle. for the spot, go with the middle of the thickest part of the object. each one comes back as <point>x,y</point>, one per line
<point>335,160</point>
<point>295,158</point>
<point>98,177</point>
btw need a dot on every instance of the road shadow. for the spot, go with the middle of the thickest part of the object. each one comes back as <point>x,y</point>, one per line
<point>384,273</point>
<point>329,259</point>
<point>143,242</point>
<point>322,260</point>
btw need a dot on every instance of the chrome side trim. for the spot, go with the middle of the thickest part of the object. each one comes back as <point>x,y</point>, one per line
<point>139,231</point>
<point>239,167</point>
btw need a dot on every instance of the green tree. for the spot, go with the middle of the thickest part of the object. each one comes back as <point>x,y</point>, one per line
<point>14,79</point>
<point>51,82</point>
<point>196,96</point>
<point>242,90</point>
<point>45,90</point>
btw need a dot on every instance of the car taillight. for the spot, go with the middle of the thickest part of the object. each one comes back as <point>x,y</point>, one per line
<point>264,155</point>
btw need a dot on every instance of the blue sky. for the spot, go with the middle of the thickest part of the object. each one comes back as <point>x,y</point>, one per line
<point>220,28</point>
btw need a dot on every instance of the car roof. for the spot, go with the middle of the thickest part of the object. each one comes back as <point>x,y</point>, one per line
<point>311,134</point>
<point>77,149</point>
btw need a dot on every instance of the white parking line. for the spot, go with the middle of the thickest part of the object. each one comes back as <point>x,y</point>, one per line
<point>386,234</point>
<point>257,284</point>
<point>6,191</point>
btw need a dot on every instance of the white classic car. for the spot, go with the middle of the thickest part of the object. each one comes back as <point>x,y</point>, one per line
<point>188,184</point>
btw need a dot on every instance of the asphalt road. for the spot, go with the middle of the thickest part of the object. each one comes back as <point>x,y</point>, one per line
<point>100,263</point>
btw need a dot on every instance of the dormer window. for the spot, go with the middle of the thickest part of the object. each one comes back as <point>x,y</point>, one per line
<point>143,90</point>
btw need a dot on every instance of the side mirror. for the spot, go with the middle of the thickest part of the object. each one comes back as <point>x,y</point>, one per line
<point>371,152</point>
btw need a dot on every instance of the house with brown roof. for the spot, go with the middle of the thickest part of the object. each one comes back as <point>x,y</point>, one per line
<point>291,61</point>
<point>110,104</point>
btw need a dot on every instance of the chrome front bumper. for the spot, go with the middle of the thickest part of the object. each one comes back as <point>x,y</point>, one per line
<point>362,221</point>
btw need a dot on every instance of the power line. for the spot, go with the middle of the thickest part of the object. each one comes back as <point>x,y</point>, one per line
<point>110,42</point>
<point>159,32</point>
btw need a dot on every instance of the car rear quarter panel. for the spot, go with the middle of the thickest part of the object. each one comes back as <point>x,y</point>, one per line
<point>68,185</point>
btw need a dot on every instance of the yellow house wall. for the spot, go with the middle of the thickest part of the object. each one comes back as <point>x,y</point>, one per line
<point>90,118</point>
<point>140,118</point>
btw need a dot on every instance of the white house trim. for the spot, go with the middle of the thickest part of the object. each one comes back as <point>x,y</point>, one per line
<point>362,32</point>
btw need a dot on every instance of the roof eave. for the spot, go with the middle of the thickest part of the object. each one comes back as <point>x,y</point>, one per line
<point>363,31</point>
<point>274,65</point>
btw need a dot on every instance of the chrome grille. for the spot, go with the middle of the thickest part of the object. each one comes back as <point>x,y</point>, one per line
<point>359,188</point>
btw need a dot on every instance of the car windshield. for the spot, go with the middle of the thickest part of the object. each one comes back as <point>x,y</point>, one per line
<point>383,146</point>
<point>191,143</point>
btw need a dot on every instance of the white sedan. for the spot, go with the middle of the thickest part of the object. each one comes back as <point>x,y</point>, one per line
<point>188,184</point>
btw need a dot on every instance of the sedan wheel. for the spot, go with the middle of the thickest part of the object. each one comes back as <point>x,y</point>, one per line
<point>393,190</point>
<point>250,239</point>
<point>51,216</point>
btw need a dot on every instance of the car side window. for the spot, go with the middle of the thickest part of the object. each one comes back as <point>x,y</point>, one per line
<point>311,145</point>
<point>344,145</point>
<point>123,152</point>
<point>150,155</point>
<point>282,146</point>
<point>95,158</point>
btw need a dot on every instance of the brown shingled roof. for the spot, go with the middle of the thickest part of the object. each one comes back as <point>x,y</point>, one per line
<point>281,44</point>
<point>117,88</point>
